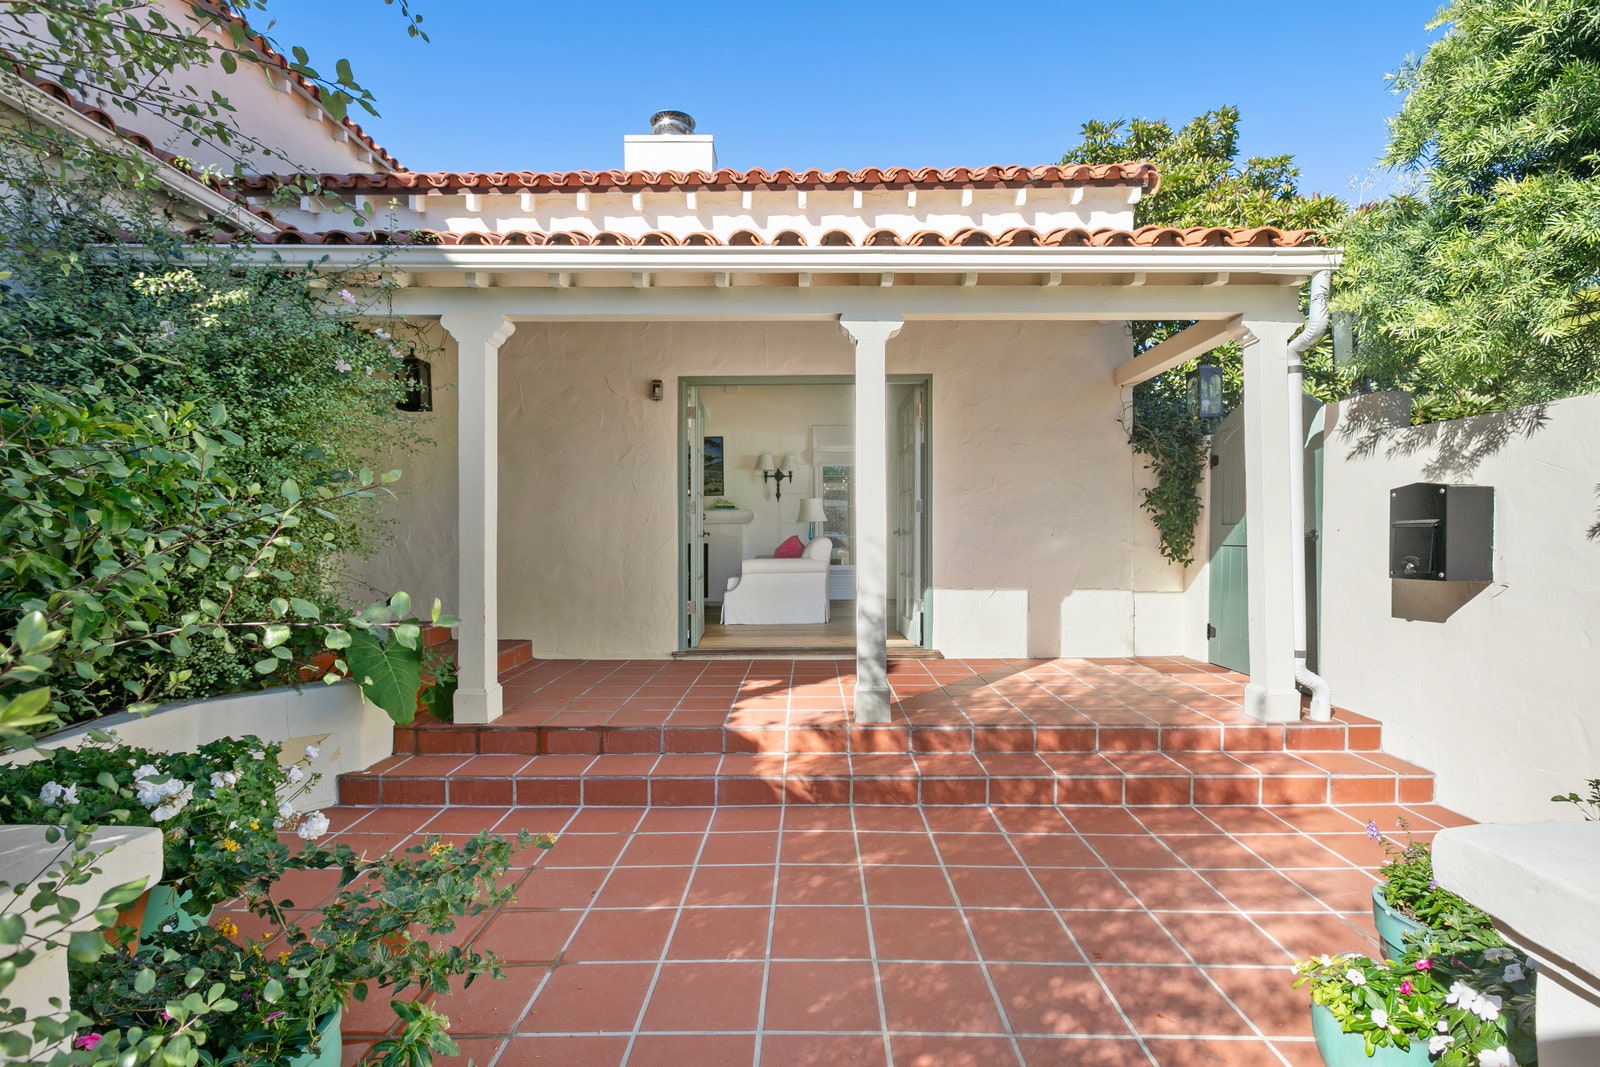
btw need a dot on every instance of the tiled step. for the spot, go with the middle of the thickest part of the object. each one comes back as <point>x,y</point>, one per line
<point>943,778</point>
<point>735,732</point>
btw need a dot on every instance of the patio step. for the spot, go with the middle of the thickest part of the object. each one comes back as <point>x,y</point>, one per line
<point>943,778</point>
<point>1073,732</point>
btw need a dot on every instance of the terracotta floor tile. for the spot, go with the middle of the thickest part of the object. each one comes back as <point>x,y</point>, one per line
<point>528,936</point>
<point>567,1050</point>
<point>1022,936</point>
<point>1122,937</point>
<point>739,848</point>
<point>1083,1052</point>
<point>1208,1052</point>
<point>661,849</point>
<point>622,934</point>
<point>1124,851</point>
<point>905,849</point>
<point>1312,934</point>
<point>720,934</point>
<point>1222,939</point>
<point>1272,1004</point>
<point>1288,851</point>
<point>643,887</point>
<point>1172,890</point>
<point>920,934</point>
<point>1299,1053</point>
<point>585,850</point>
<point>1055,999</point>
<point>812,995</point>
<point>818,846</point>
<point>818,884</point>
<point>823,1050</point>
<point>938,997</point>
<point>1168,1000</point>
<point>702,1050</point>
<point>917,1050</point>
<point>732,886</point>
<point>590,998</point>
<point>820,933</point>
<point>1077,888</point>
<point>977,850</point>
<point>994,887</point>
<point>489,1006</point>
<point>710,996</point>
<point>1340,889</point>
<point>745,820</point>
<point>554,887</point>
<point>923,886</point>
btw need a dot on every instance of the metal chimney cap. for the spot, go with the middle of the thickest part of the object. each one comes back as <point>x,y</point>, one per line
<point>671,122</point>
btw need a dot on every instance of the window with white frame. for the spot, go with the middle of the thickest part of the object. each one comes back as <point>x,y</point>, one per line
<point>833,459</point>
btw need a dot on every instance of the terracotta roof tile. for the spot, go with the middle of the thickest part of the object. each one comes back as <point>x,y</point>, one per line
<point>1143,174</point>
<point>1019,237</point>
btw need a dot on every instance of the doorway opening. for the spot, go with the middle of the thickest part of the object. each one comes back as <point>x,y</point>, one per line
<point>768,519</point>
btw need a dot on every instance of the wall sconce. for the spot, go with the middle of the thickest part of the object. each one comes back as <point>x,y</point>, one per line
<point>1205,391</point>
<point>417,377</point>
<point>811,512</point>
<point>656,392</point>
<point>777,472</point>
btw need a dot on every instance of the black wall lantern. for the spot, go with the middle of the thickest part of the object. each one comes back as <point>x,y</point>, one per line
<point>417,376</point>
<point>1205,391</point>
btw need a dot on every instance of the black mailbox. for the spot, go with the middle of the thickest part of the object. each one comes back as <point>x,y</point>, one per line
<point>1441,533</point>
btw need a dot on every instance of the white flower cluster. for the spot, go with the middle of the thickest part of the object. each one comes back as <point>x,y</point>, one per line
<point>1485,1006</point>
<point>164,798</point>
<point>224,779</point>
<point>54,793</point>
<point>313,826</point>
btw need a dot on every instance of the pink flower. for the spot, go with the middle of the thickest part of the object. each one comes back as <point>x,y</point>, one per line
<point>87,1041</point>
<point>1405,988</point>
<point>1424,965</point>
<point>344,294</point>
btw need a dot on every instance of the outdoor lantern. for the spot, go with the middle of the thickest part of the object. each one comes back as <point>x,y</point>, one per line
<point>1205,391</point>
<point>418,378</point>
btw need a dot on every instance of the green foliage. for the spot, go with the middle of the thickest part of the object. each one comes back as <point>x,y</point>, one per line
<point>1480,289</point>
<point>1410,888</point>
<point>218,807</point>
<point>127,52</point>
<point>1203,183</point>
<point>1589,805</point>
<point>1461,999</point>
<point>384,929</point>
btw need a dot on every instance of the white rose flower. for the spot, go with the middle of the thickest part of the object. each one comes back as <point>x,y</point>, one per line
<point>296,775</point>
<point>149,770</point>
<point>223,779</point>
<point>172,806</point>
<point>313,826</point>
<point>312,752</point>
<point>150,794</point>
<point>51,793</point>
<point>70,794</point>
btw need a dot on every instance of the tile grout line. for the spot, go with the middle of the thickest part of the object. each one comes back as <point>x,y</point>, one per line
<point>872,939</point>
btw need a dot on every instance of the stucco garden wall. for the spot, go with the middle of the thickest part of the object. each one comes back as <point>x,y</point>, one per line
<point>1489,685</point>
<point>1037,533</point>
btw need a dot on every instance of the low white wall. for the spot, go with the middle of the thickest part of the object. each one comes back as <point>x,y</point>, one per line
<point>351,733</point>
<point>1034,493</point>
<point>1490,686</point>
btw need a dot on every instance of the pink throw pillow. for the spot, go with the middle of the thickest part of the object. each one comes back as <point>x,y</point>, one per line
<point>790,549</point>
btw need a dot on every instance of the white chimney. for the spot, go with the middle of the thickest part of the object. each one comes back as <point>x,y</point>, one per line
<point>671,144</point>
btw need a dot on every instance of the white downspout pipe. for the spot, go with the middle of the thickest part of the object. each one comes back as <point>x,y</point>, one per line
<point>1316,326</point>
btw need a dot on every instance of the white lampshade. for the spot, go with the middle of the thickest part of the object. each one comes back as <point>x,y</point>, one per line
<point>765,462</point>
<point>790,462</point>
<point>811,510</point>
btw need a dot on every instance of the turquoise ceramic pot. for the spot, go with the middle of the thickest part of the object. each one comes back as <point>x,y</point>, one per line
<point>165,906</point>
<point>1391,925</point>
<point>330,1047</point>
<point>1340,1049</point>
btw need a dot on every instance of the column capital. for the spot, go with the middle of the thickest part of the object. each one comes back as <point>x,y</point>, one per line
<point>1268,330</point>
<point>879,328</point>
<point>485,326</point>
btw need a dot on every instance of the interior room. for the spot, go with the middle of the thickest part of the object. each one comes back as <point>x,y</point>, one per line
<point>775,465</point>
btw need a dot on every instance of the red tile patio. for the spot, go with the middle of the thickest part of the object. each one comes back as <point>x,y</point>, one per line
<point>1036,862</point>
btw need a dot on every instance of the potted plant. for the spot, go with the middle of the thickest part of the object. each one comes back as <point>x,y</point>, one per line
<point>219,808</point>
<point>1410,901</point>
<point>1468,1005</point>
<point>278,999</point>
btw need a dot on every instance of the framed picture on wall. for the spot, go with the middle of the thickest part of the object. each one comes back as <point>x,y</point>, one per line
<point>713,468</point>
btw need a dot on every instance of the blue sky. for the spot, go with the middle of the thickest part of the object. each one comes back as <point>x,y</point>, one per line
<point>513,84</point>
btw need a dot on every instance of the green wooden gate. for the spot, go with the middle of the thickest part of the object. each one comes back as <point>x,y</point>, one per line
<point>1228,622</point>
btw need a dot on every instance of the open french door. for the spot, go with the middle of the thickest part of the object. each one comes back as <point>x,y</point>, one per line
<point>694,520</point>
<point>909,506</point>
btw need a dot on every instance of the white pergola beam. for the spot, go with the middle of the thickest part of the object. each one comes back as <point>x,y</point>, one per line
<point>1197,340</point>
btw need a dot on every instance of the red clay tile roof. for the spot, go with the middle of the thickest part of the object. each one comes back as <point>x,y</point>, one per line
<point>1020,237</point>
<point>1142,173</point>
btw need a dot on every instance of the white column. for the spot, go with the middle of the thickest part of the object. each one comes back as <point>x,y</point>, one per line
<point>1270,694</point>
<point>478,335</point>
<point>870,552</point>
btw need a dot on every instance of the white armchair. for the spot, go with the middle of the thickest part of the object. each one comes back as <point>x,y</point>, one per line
<point>780,591</point>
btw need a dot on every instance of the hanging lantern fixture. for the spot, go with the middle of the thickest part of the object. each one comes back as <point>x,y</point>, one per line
<point>1205,391</point>
<point>417,376</point>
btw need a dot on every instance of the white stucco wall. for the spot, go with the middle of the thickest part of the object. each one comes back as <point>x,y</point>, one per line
<point>1033,498</point>
<point>1489,686</point>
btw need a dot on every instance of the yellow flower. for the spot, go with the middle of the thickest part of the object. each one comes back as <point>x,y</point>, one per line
<point>439,848</point>
<point>254,825</point>
<point>230,845</point>
<point>227,928</point>
<point>283,957</point>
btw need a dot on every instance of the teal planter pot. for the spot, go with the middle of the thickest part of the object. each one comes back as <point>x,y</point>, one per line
<point>330,1044</point>
<point>165,906</point>
<point>1391,925</point>
<point>1340,1049</point>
